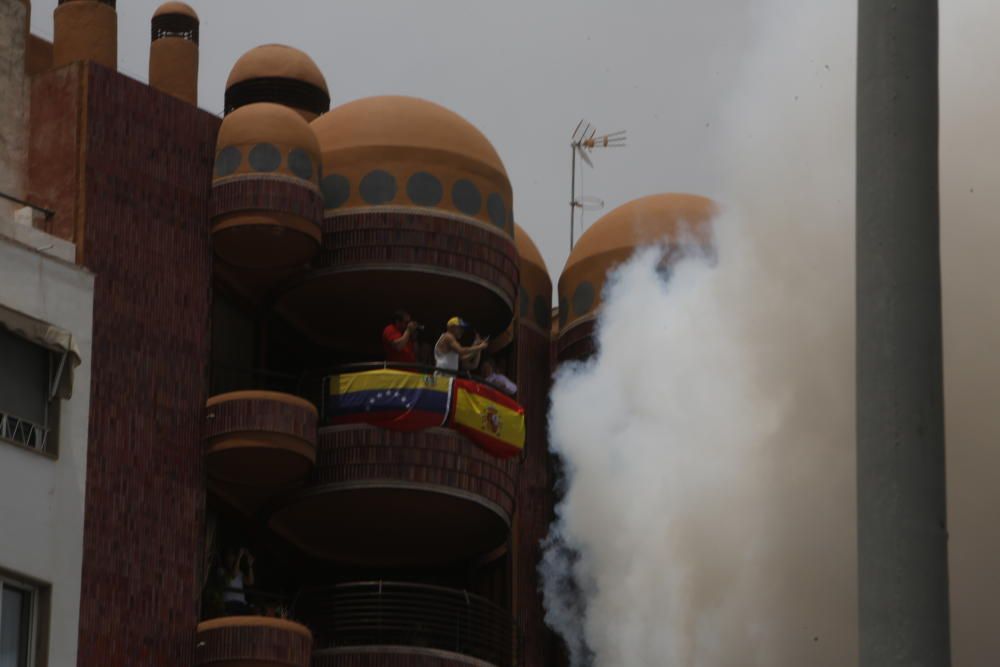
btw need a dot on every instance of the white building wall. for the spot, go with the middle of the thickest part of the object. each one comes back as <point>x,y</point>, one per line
<point>14,102</point>
<point>42,499</point>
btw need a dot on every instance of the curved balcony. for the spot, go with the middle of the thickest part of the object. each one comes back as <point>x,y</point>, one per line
<point>391,623</point>
<point>252,641</point>
<point>259,438</point>
<point>385,498</point>
<point>578,341</point>
<point>372,262</point>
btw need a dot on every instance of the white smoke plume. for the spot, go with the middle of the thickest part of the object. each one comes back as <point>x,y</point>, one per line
<point>709,508</point>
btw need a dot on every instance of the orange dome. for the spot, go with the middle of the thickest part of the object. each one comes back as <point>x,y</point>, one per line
<point>267,123</point>
<point>280,74</point>
<point>413,153</point>
<point>266,152</point>
<point>170,8</point>
<point>535,291</point>
<point>527,249</point>
<point>276,60</point>
<point>614,237</point>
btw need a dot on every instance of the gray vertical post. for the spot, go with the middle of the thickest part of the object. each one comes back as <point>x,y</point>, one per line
<point>902,533</point>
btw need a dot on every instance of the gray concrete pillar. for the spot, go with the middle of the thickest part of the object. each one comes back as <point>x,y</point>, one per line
<point>902,533</point>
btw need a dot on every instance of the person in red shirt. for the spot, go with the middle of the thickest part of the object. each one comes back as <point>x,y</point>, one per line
<point>397,339</point>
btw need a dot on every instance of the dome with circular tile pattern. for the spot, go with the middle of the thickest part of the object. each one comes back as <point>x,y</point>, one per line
<point>613,238</point>
<point>266,203</point>
<point>407,152</point>
<point>267,138</point>
<point>535,292</point>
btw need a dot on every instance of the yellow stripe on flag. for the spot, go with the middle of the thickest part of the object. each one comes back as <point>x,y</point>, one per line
<point>387,379</point>
<point>490,418</point>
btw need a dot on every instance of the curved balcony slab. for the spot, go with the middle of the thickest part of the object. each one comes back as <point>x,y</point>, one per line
<point>386,498</point>
<point>252,641</point>
<point>265,222</point>
<point>259,438</point>
<point>374,262</point>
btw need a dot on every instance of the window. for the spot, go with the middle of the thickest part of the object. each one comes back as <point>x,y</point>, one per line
<point>29,407</point>
<point>17,625</point>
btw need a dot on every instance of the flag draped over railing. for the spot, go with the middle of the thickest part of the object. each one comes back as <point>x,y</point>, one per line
<point>490,419</point>
<point>413,401</point>
<point>392,399</point>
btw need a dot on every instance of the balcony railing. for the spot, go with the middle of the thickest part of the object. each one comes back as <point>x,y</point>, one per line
<point>397,614</point>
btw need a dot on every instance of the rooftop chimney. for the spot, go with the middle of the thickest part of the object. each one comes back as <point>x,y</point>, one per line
<point>85,30</point>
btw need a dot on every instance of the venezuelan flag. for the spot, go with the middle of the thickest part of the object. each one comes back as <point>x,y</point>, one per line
<point>492,420</point>
<point>392,399</point>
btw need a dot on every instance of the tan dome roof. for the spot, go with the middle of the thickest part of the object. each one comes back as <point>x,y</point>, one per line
<point>394,151</point>
<point>640,222</point>
<point>535,290</point>
<point>391,121</point>
<point>266,122</point>
<point>175,8</point>
<point>614,237</point>
<point>527,249</point>
<point>276,60</point>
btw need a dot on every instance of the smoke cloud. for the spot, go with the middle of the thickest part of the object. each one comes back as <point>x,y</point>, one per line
<point>708,509</point>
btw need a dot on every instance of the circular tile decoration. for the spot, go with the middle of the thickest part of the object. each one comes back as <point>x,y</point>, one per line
<point>583,298</point>
<point>265,157</point>
<point>496,210</point>
<point>336,190</point>
<point>424,189</point>
<point>227,161</point>
<point>563,311</point>
<point>543,312</point>
<point>378,187</point>
<point>524,302</point>
<point>466,198</point>
<point>300,163</point>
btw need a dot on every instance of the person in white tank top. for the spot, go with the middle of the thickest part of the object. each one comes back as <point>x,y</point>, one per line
<point>449,353</point>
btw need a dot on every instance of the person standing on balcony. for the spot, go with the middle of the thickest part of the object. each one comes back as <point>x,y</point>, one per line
<point>497,379</point>
<point>449,353</point>
<point>234,596</point>
<point>398,339</point>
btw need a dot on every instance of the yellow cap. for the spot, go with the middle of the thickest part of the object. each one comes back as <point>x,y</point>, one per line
<point>457,322</point>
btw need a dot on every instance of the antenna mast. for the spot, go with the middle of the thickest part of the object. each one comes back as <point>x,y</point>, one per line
<point>586,139</point>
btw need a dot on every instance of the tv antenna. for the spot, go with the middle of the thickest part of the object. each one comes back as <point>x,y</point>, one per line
<point>585,139</point>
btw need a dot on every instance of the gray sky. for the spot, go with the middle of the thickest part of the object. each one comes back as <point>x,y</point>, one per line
<point>524,72</point>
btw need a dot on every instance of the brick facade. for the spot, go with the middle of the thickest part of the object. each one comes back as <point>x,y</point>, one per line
<point>534,495</point>
<point>146,178</point>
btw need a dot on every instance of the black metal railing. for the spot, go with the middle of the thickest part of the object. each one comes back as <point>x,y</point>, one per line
<point>414,367</point>
<point>174,25</point>
<point>44,211</point>
<point>381,613</point>
<point>290,92</point>
<point>309,384</point>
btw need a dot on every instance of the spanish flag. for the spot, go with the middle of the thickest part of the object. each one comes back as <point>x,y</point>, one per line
<point>490,419</point>
<point>397,400</point>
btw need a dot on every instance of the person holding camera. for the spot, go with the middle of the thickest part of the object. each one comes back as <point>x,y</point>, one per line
<point>234,596</point>
<point>398,339</point>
